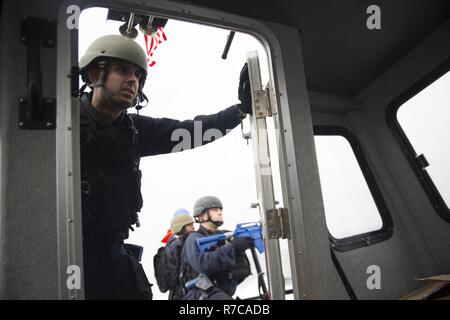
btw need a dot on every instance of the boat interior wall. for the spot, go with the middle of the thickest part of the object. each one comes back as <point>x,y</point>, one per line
<point>419,245</point>
<point>28,263</point>
<point>327,103</point>
<point>425,228</point>
<point>310,247</point>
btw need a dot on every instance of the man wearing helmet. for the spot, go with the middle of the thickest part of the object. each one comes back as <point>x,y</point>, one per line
<point>223,267</point>
<point>112,143</point>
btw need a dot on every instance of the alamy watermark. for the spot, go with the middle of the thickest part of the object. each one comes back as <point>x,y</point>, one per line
<point>74,277</point>
<point>186,141</point>
<point>374,20</point>
<point>73,19</point>
<point>374,280</point>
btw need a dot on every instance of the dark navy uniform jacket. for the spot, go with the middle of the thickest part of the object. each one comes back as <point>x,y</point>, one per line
<point>110,156</point>
<point>111,181</point>
<point>214,263</point>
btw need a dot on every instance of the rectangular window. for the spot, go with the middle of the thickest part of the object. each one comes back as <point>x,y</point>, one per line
<point>355,212</point>
<point>423,124</point>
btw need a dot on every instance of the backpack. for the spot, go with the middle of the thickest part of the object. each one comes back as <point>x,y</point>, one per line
<point>164,279</point>
<point>168,278</point>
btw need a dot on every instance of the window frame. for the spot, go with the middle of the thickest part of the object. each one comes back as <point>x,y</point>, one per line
<point>272,37</point>
<point>407,148</point>
<point>387,229</point>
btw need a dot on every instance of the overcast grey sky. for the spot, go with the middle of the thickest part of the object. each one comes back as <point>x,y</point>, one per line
<point>425,118</point>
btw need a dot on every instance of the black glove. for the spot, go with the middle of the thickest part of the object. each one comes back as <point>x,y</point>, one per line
<point>242,244</point>
<point>244,93</point>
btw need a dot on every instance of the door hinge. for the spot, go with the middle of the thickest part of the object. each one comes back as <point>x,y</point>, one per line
<point>278,224</point>
<point>265,103</point>
<point>270,94</point>
<point>261,103</point>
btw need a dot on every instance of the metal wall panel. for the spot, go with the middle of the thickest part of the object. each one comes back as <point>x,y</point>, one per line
<point>428,234</point>
<point>28,254</point>
<point>314,275</point>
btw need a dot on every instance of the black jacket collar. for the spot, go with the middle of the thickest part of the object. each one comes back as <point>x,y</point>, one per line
<point>90,111</point>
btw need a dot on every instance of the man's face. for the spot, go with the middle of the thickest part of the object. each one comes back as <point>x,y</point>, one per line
<point>215,214</point>
<point>122,82</point>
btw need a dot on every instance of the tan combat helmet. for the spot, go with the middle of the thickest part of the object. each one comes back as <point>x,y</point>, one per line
<point>113,47</point>
<point>179,221</point>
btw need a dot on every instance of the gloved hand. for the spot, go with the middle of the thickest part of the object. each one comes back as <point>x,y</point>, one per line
<point>244,93</point>
<point>242,244</point>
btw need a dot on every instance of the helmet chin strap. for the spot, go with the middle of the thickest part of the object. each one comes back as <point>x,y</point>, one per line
<point>101,78</point>
<point>101,82</point>
<point>216,223</point>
